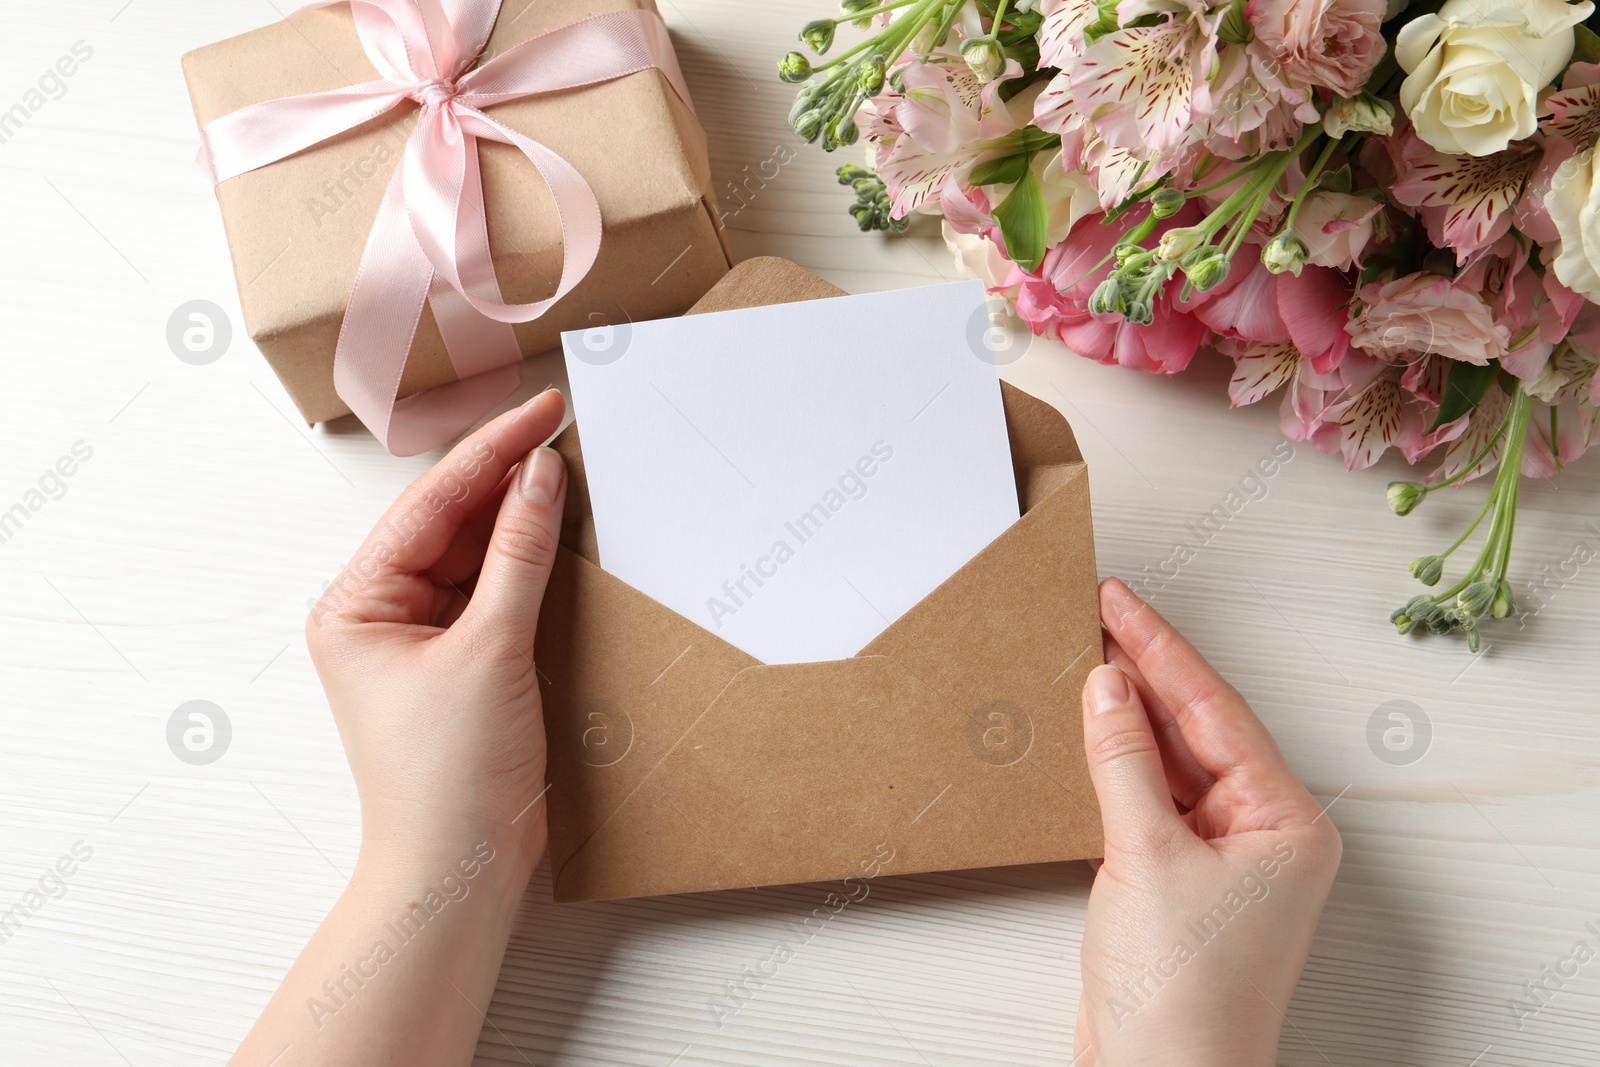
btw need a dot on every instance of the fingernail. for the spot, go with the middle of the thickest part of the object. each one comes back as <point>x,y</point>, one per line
<point>526,404</point>
<point>1108,689</point>
<point>540,480</point>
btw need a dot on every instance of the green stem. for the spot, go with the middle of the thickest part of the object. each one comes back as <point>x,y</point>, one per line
<point>1311,180</point>
<point>842,56</point>
<point>946,20</point>
<point>899,30</point>
<point>1447,553</point>
<point>1472,464</point>
<point>1495,556</point>
<point>1253,193</point>
<point>854,15</point>
<point>1511,474</point>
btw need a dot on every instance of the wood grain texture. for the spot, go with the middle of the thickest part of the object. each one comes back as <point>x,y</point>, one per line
<point>179,562</point>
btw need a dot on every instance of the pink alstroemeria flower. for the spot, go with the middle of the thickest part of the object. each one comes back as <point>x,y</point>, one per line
<point>1466,202</point>
<point>927,138</point>
<point>1254,304</point>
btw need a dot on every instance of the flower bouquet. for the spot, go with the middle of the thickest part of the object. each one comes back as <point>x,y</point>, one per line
<point>1388,213</point>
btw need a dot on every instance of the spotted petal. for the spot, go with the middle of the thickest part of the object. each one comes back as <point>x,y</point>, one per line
<point>1375,419</point>
<point>1116,171</point>
<point>1483,427</point>
<point>1259,368</point>
<point>1061,32</point>
<point>1575,116</point>
<point>1466,200</point>
<point>1143,86</point>
<point>1053,109</point>
<point>915,175</point>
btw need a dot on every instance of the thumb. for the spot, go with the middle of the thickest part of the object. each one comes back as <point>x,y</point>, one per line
<point>1124,763</point>
<point>522,549</point>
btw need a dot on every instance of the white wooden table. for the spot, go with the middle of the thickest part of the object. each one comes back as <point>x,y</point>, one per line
<point>178,564</point>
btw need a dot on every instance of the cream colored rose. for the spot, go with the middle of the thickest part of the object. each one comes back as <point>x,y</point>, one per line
<point>1069,195</point>
<point>978,257</point>
<point>1475,69</point>
<point>1574,206</point>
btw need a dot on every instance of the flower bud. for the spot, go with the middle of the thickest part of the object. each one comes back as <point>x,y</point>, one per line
<point>850,7</point>
<point>850,174</point>
<point>1108,298</point>
<point>870,78</point>
<point>842,130</point>
<point>1416,613</point>
<point>1166,202</point>
<point>817,34</point>
<point>805,99</point>
<point>1473,639</point>
<point>1361,114</point>
<point>1285,253</point>
<point>1179,242</point>
<point>810,124</point>
<point>1421,607</point>
<point>1428,569</point>
<point>1205,267</point>
<point>985,58</point>
<point>1403,497</point>
<point>1475,599</point>
<point>794,67</point>
<point>1140,308</point>
<point>1504,604</point>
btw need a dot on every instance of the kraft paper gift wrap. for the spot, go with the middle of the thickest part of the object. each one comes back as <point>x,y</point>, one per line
<point>678,763</point>
<point>296,228</point>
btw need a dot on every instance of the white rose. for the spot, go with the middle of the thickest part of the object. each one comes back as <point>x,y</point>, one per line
<point>1069,195</point>
<point>1574,206</point>
<point>979,258</point>
<point>1475,69</point>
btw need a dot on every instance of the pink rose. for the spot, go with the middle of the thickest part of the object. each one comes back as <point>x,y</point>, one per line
<point>1055,303</point>
<point>1425,313</point>
<point>1329,43</point>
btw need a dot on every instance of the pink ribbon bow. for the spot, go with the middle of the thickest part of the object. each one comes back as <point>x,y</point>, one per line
<point>430,240</point>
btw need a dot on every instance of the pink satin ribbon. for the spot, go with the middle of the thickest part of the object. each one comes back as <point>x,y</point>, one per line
<point>430,240</point>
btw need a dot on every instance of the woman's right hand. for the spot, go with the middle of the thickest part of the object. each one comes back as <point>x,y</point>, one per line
<point>1217,860</point>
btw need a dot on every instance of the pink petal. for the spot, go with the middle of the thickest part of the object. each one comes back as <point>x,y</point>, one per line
<point>1312,307</point>
<point>1250,308</point>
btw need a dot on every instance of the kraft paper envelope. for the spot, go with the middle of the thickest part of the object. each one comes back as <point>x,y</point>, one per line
<point>678,763</point>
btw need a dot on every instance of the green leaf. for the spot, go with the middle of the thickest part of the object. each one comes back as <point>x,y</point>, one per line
<point>1002,170</point>
<point>1036,140</point>
<point>1018,150</point>
<point>1585,45</point>
<point>1024,220</point>
<point>1465,385</point>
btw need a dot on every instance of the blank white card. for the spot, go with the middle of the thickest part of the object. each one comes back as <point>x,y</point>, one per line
<point>794,478</point>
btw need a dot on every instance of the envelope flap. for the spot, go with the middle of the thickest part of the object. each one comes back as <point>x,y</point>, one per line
<point>623,678</point>
<point>860,768</point>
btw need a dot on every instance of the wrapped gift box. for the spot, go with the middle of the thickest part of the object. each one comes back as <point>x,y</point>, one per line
<point>296,228</point>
